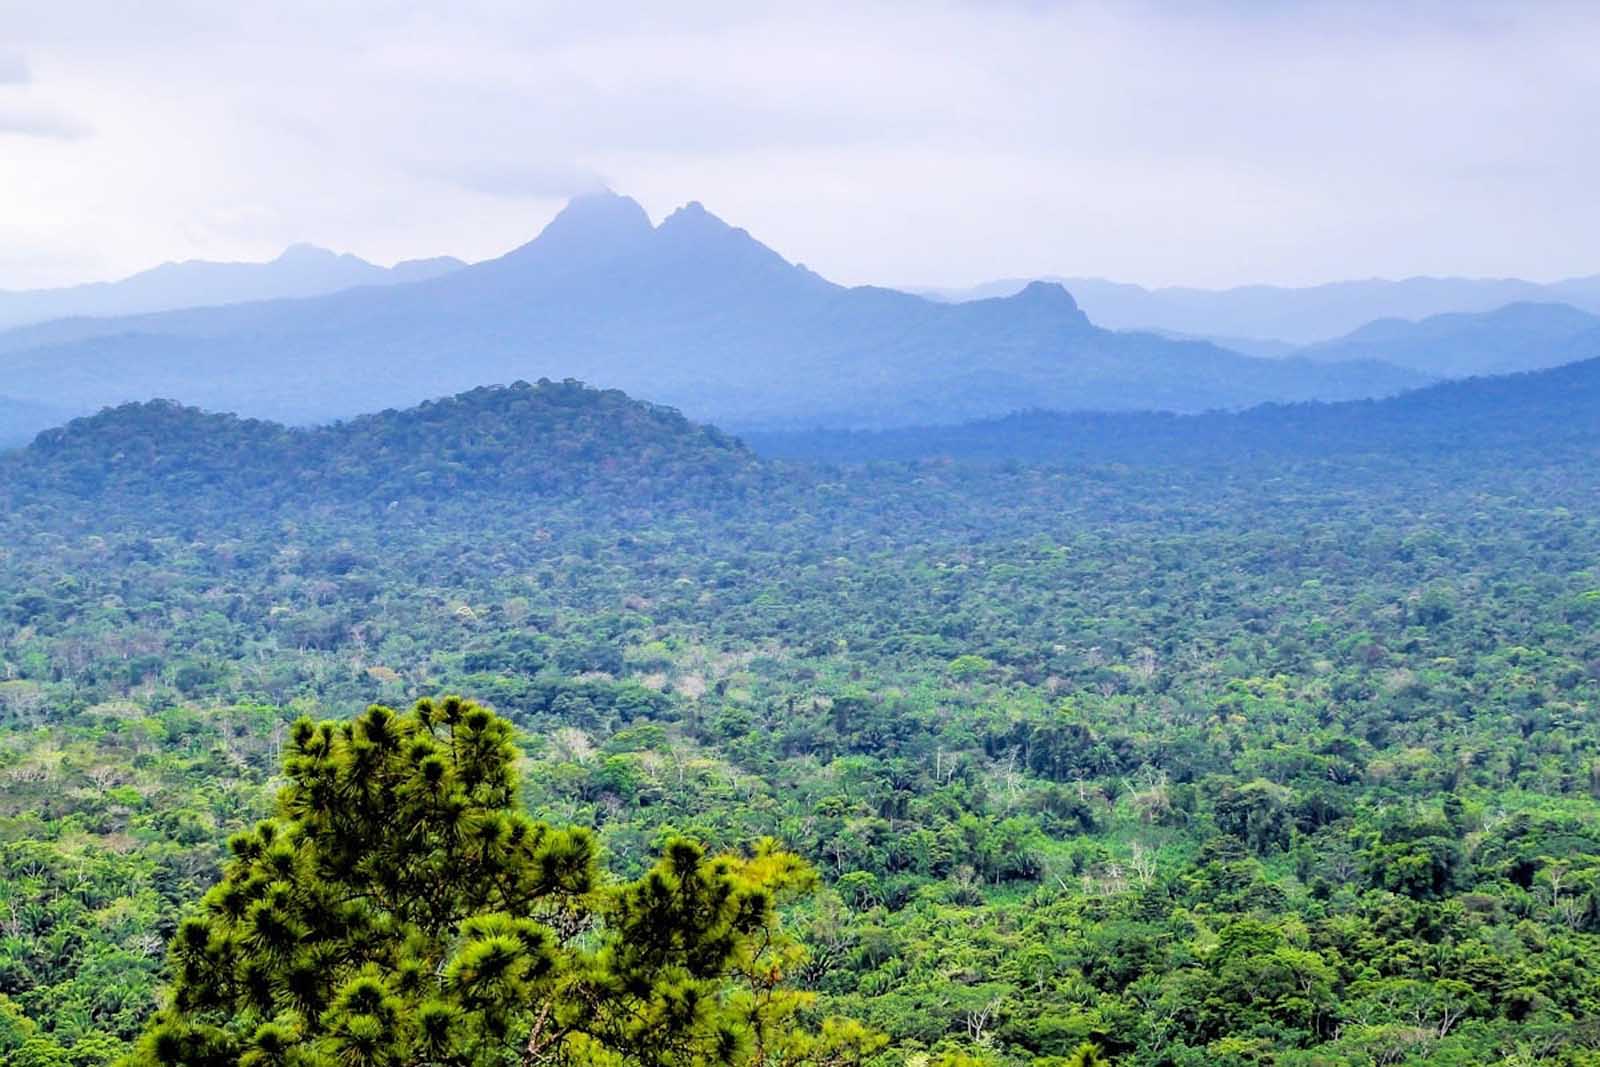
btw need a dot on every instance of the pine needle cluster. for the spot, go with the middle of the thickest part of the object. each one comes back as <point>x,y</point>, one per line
<point>401,911</point>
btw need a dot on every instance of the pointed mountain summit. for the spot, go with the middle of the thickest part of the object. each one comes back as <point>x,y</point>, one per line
<point>694,218</point>
<point>1317,314</point>
<point>1040,313</point>
<point>1039,292</point>
<point>593,228</point>
<point>692,226</point>
<point>692,246</point>
<point>695,313</point>
<point>1048,298</point>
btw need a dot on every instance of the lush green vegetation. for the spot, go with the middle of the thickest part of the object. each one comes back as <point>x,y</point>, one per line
<point>1272,758</point>
<point>401,910</point>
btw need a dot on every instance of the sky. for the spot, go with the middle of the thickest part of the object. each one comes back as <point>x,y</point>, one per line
<point>1199,143</point>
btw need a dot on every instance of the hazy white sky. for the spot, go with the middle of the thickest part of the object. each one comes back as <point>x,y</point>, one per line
<point>926,142</point>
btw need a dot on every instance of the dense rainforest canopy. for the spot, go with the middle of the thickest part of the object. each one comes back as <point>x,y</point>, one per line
<point>1275,757</point>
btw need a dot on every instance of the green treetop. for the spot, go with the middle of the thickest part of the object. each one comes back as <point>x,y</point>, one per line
<point>400,910</point>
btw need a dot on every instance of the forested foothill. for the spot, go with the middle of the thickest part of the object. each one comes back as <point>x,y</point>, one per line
<point>1266,738</point>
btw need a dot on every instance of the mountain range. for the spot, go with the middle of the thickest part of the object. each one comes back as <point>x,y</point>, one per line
<point>1541,412</point>
<point>1251,316</point>
<point>693,312</point>
<point>302,270</point>
<point>1517,337</point>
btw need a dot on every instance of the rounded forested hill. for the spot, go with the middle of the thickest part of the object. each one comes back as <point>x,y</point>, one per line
<point>159,446</point>
<point>546,438</point>
<point>551,437</point>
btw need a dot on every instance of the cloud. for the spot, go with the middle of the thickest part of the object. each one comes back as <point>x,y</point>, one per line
<point>936,141</point>
<point>26,120</point>
<point>13,69</point>
<point>515,179</point>
<point>40,123</point>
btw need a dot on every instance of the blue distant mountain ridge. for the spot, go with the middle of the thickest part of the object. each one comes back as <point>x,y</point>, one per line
<point>1263,317</point>
<point>1517,337</point>
<point>302,270</point>
<point>1542,413</point>
<point>693,313</point>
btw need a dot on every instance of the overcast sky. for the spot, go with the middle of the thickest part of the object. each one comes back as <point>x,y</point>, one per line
<point>1188,143</point>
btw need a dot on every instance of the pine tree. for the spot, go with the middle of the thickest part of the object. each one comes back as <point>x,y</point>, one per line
<point>399,910</point>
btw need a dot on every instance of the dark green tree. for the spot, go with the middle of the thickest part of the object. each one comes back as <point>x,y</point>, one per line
<point>1257,813</point>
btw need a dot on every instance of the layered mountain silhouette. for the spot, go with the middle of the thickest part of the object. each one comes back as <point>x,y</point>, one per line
<point>1517,337</point>
<point>550,439</point>
<point>1541,412</point>
<point>693,313</point>
<point>302,270</point>
<point>1299,316</point>
<point>564,439</point>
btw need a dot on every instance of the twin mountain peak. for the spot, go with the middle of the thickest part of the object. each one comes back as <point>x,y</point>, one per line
<point>691,312</point>
<point>605,225</point>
